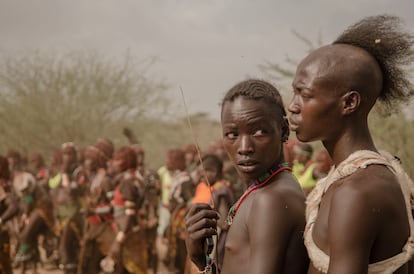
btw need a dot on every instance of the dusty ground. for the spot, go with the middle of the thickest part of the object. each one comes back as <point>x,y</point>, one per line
<point>162,250</point>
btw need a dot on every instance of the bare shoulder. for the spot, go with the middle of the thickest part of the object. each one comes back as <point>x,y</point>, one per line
<point>371,193</point>
<point>369,208</point>
<point>373,184</point>
<point>281,197</point>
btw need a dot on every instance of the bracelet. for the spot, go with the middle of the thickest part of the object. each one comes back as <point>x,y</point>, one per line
<point>208,269</point>
<point>120,237</point>
<point>130,212</point>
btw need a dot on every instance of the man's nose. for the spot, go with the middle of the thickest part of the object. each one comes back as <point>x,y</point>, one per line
<point>293,106</point>
<point>246,145</point>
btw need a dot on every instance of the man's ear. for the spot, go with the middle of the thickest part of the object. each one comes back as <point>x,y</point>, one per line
<point>350,102</point>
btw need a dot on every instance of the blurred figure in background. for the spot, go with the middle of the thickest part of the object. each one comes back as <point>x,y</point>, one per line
<point>314,171</point>
<point>128,248</point>
<point>213,189</point>
<point>181,193</point>
<point>39,169</point>
<point>302,154</point>
<point>8,209</point>
<point>166,176</point>
<point>150,204</point>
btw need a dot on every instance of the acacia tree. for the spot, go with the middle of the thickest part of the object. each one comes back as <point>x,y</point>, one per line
<point>47,100</point>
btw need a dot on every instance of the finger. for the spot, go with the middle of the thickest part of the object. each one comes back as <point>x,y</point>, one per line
<point>201,224</point>
<point>194,208</point>
<point>208,216</point>
<point>203,214</point>
<point>202,234</point>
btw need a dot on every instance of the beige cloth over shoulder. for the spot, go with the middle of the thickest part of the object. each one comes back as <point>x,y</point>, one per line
<point>360,159</point>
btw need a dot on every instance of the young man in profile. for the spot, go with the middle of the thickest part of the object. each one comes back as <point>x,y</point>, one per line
<point>359,217</point>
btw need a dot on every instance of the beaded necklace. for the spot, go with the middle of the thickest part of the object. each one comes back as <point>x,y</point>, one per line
<point>261,181</point>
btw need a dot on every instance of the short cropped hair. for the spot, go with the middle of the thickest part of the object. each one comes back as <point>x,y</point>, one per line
<point>259,90</point>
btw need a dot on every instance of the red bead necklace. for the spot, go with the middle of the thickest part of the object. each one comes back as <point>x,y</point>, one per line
<point>263,180</point>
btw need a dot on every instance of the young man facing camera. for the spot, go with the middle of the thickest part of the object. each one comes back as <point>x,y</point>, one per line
<point>267,222</point>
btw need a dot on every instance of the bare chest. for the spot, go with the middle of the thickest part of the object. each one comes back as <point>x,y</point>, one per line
<point>237,250</point>
<point>237,236</point>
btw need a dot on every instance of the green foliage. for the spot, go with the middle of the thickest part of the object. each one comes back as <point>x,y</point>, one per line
<point>394,134</point>
<point>48,100</point>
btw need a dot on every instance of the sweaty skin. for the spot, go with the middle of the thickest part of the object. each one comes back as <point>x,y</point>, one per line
<point>266,235</point>
<point>362,218</point>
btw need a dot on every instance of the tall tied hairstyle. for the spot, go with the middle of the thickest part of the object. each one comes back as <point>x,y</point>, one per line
<point>392,47</point>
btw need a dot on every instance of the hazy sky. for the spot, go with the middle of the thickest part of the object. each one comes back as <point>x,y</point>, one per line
<point>203,46</point>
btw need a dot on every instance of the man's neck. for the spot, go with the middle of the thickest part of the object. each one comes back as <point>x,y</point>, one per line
<point>350,141</point>
<point>265,174</point>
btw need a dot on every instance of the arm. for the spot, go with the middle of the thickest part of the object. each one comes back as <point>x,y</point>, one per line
<point>201,222</point>
<point>11,211</point>
<point>352,229</point>
<point>270,225</point>
<point>127,220</point>
<point>131,195</point>
<point>69,187</point>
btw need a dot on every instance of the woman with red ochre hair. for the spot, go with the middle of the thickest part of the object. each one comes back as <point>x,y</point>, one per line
<point>128,249</point>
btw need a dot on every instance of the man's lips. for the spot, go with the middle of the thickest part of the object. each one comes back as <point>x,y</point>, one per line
<point>247,162</point>
<point>293,125</point>
<point>247,166</point>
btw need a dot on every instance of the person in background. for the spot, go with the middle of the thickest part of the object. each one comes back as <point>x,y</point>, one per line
<point>166,176</point>
<point>9,208</point>
<point>318,169</point>
<point>39,169</point>
<point>213,189</point>
<point>181,192</point>
<point>302,158</point>
<point>129,248</point>
<point>150,205</point>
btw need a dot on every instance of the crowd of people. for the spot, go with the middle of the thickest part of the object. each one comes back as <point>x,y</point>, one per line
<point>85,206</point>
<point>101,207</point>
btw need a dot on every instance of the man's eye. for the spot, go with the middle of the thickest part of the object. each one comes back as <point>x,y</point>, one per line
<point>305,94</point>
<point>231,135</point>
<point>259,132</point>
